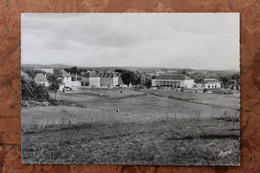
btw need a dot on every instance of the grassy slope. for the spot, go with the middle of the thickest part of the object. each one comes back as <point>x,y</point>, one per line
<point>221,100</point>
<point>176,141</point>
<point>124,138</point>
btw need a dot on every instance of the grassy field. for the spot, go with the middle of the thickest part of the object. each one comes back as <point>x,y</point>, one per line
<point>149,129</point>
<point>219,100</point>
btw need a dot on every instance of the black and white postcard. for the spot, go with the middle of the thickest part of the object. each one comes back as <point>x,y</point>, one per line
<point>130,88</point>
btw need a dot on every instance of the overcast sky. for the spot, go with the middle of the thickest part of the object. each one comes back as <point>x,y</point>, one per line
<point>173,40</point>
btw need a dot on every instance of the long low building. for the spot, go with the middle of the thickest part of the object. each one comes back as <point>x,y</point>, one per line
<point>209,84</point>
<point>173,80</point>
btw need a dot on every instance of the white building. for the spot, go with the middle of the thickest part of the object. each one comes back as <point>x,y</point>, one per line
<point>173,80</point>
<point>210,84</point>
<point>66,80</point>
<point>94,79</point>
<point>45,69</point>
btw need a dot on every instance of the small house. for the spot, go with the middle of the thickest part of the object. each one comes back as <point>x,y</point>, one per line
<point>210,84</point>
<point>41,79</point>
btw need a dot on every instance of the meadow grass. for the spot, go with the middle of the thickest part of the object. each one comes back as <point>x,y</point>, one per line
<point>148,130</point>
<point>171,142</point>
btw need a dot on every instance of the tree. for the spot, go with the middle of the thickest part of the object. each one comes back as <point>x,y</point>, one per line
<point>135,78</point>
<point>55,81</point>
<point>225,81</point>
<point>119,70</point>
<point>148,83</point>
<point>130,77</point>
<point>126,77</point>
<point>184,72</point>
<point>236,81</point>
<point>32,73</point>
<point>73,70</point>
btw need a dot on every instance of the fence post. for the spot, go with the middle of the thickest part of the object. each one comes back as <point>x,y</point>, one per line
<point>70,122</point>
<point>94,119</point>
<point>40,123</point>
<point>62,121</point>
<point>44,123</point>
<point>199,115</point>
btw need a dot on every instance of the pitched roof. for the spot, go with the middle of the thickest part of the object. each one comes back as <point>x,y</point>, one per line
<point>205,81</point>
<point>92,74</point>
<point>173,77</point>
<point>40,78</point>
<point>65,74</point>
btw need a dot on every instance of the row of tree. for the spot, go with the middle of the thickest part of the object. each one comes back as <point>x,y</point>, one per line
<point>134,78</point>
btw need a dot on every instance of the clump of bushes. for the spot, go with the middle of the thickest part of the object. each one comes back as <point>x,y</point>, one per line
<point>32,91</point>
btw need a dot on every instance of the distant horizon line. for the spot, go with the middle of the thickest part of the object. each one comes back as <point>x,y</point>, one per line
<point>132,67</point>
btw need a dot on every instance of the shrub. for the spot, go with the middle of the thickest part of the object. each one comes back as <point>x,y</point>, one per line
<point>205,90</point>
<point>32,91</point>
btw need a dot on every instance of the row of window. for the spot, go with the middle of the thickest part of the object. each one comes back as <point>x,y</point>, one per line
<point>211,86</point>
<point>167,84</point>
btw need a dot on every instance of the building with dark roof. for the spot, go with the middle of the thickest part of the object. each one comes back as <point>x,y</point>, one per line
<point>173,80</point>
<point>109,79</point>
<point>41,79</point>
